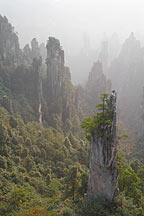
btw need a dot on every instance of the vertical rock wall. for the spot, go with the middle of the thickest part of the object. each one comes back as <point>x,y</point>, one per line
<point>55,67</point>
<point>96,85</point>
<point>10,53</point>
<point>58,91</point>
<point>37,86</point>
<point>103,175</point>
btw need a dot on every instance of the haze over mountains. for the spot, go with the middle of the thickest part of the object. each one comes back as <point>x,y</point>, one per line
<point>71,108</point>
<point>79,25</point>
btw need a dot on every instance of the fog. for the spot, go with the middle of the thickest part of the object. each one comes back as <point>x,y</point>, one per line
<point>80,25</point>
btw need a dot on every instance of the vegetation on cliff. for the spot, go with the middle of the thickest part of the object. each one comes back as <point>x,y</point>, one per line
<point>103,119</point>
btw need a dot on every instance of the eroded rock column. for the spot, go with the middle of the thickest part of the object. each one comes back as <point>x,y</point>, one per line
<point>103,175</point>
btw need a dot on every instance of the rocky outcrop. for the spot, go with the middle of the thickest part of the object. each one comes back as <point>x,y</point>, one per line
<point>35,48</point>
<point>6,102</point>
<point>43,52</point>
<point>96,85</point>
<point>44,88</point>
<point>27,82</point>
<point>35,93</point>
<point>30,53</point>
<point>126,73</point>
<point>58,90</point>
<point>55,67</point>
<point>103,175</point>
<point>27,54</point>
<point>103,56</point>
<point>10,53</point>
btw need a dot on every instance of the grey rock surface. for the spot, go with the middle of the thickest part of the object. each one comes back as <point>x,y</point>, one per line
<point>103,174</point>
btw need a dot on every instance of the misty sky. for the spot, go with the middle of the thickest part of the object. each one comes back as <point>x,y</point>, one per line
<point>68,20</point>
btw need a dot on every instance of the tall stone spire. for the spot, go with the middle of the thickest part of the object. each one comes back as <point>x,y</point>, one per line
<point>55,67</point>
<point>103,175</point>
<point>103,56</point>
<point>58,87</point>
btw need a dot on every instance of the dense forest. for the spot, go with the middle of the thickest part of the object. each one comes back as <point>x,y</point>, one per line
<point>46,124</point>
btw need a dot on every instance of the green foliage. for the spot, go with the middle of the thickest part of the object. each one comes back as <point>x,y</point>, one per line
<point>48,178</point>
<point>83,186</point>
<point>47,166</point>
<point>50,170</point>
<point>39,159</point>
<point>97,124</point>
<point>125,206</point>
<point>13,122</point>
<point>72,181</point>
<point>96,208</point>
<point>53,168</point>
<point>37,211</point>
<point>3,162</point>
<point>43,168</point>
<point>129,182</point>
<point>68,212</point>
<point>54,187</point>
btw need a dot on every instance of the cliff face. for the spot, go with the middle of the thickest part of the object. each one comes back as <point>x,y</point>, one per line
<point>44,88</point>
<point>20,72</point>
<point>126,73</point>
<point>103,56</point>
<point>10,53</point>
<point>103,175</point>
<point>55,67</point>
<point>34,92</point>
<point>58,87</point>
<point>96,85</point>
